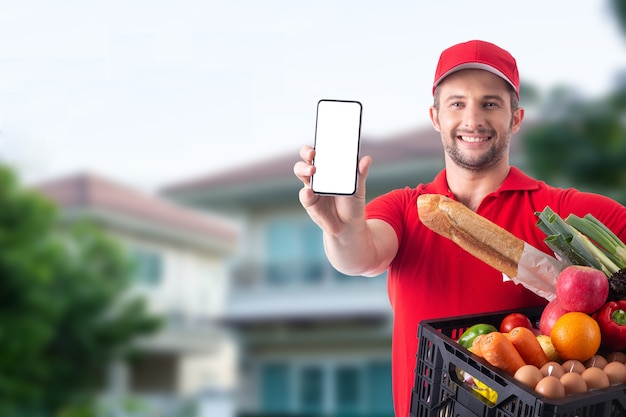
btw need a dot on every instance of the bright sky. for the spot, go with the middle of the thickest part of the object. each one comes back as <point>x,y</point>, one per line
<point>151,92</point>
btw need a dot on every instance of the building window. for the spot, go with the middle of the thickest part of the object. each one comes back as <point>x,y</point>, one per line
<point>343,389</point>
<point>275,385</point>
<point>311,389</point>
<point>148,266</point>
<point>295,252</point>
<point>312,242</point>
<point>295,256</point>
<point>348,390</point>
<point>378,383</point>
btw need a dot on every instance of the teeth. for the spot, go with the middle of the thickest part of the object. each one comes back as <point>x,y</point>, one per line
<point>472,139</point>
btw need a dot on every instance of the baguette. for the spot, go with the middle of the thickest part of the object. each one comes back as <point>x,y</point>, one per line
<point>477,235</point>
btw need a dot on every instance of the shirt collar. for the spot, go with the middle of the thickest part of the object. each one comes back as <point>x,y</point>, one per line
<point>515,181</point>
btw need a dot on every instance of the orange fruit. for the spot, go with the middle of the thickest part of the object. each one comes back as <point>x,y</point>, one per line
<point>575,335</point>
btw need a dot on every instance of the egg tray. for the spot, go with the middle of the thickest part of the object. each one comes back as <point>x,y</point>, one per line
<point>440,391</point>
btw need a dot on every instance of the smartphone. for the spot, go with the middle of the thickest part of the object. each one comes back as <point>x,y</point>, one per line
<point>337,141</point>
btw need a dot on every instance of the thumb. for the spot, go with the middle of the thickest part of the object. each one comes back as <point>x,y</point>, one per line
<point>364,167</point>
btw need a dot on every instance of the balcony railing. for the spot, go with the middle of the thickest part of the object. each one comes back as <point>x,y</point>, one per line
<point>286,274</point>
<point>303,291</point>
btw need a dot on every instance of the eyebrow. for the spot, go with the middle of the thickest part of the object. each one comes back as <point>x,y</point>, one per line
<point>495,97</point>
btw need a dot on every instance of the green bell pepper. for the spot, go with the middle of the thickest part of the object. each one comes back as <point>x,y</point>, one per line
<point>468,336</point>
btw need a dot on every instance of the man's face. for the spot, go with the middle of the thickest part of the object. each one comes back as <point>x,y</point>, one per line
<point>475,119</point>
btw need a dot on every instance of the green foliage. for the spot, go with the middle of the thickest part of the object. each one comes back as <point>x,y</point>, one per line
<point>583,143</point>
<point>580,143</point>
<point>529,94</point>
<point>63,315</point>
<point>619,9</point>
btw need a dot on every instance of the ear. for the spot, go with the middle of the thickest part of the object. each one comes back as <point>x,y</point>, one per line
<point>434,118</point>
<point>518,116</point>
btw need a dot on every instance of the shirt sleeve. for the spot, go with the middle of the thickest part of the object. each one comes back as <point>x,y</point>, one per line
<point>391,208</point>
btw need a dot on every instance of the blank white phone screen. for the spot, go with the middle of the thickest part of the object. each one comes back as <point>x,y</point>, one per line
<point>337,135</point>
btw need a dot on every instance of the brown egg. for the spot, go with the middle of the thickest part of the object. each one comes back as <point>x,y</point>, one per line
<point>595,378</point>
<point>574,383</point>
<point>573,365</point>
<point>552,368</point>
<point>616,371</point>
<point>528,375</point>
<point>596,361</point>
<point>616,357</point>
<point>550,387</point>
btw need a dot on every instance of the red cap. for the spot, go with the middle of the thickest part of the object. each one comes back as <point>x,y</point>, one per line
<point>478,55</point>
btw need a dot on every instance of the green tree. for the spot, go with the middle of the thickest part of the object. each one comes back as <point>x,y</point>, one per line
<point>63,314</point>
<point>580,142</point>
<point>619,10</point>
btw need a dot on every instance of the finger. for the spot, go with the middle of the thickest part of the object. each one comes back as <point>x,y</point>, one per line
<point>303,171</point>
<point>364,165</point>
<point>307,153</point>
<point>307,197</point>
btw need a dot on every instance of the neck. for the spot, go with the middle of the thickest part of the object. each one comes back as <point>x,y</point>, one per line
<point>471,187</point>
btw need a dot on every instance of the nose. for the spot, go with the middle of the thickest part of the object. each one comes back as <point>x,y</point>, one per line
<point>473,116</point>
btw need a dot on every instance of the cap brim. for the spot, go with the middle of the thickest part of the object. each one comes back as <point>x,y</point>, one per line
<point>475,65</point>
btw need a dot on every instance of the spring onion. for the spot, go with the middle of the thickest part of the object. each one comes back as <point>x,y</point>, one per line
<point>564,241</point>
<point>586,241</point>
<point>583,241</point>
<point>604,238</point>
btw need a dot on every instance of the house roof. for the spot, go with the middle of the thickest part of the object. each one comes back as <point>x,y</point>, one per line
<point>418,143</point>
<point>398,160</point>
<point>93,193</point>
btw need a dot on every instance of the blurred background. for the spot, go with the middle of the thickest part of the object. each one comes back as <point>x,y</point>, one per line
<point>154,259</point>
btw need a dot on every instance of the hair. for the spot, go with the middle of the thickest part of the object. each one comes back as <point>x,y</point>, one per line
<point>514,99</point>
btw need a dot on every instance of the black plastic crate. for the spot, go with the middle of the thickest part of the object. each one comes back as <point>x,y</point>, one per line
<point>440,392</point>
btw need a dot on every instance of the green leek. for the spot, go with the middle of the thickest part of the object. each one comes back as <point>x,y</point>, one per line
<point>564,241</point>
<point>583,241</point>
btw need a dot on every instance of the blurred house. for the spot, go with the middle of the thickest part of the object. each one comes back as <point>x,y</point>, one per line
<point>313,341</point>
<point>180,257</point>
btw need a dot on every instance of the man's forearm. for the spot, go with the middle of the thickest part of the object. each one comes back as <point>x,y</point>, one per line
<point>367,250</point>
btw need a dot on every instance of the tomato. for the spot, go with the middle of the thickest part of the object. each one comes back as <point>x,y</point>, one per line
<point>514,320</point>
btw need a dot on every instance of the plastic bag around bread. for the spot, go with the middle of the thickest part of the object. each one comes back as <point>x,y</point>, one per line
<point>491,243</point>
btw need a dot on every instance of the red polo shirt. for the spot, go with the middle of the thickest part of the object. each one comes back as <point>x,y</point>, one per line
<point>432,277</point>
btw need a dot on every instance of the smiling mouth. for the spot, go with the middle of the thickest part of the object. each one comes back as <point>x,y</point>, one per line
<point>473,139</point>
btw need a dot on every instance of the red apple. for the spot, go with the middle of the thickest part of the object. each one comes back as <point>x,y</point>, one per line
<point>549,316</point>
<point>582,288</point>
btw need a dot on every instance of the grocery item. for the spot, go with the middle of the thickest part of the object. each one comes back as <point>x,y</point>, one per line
<point>575,335</point>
